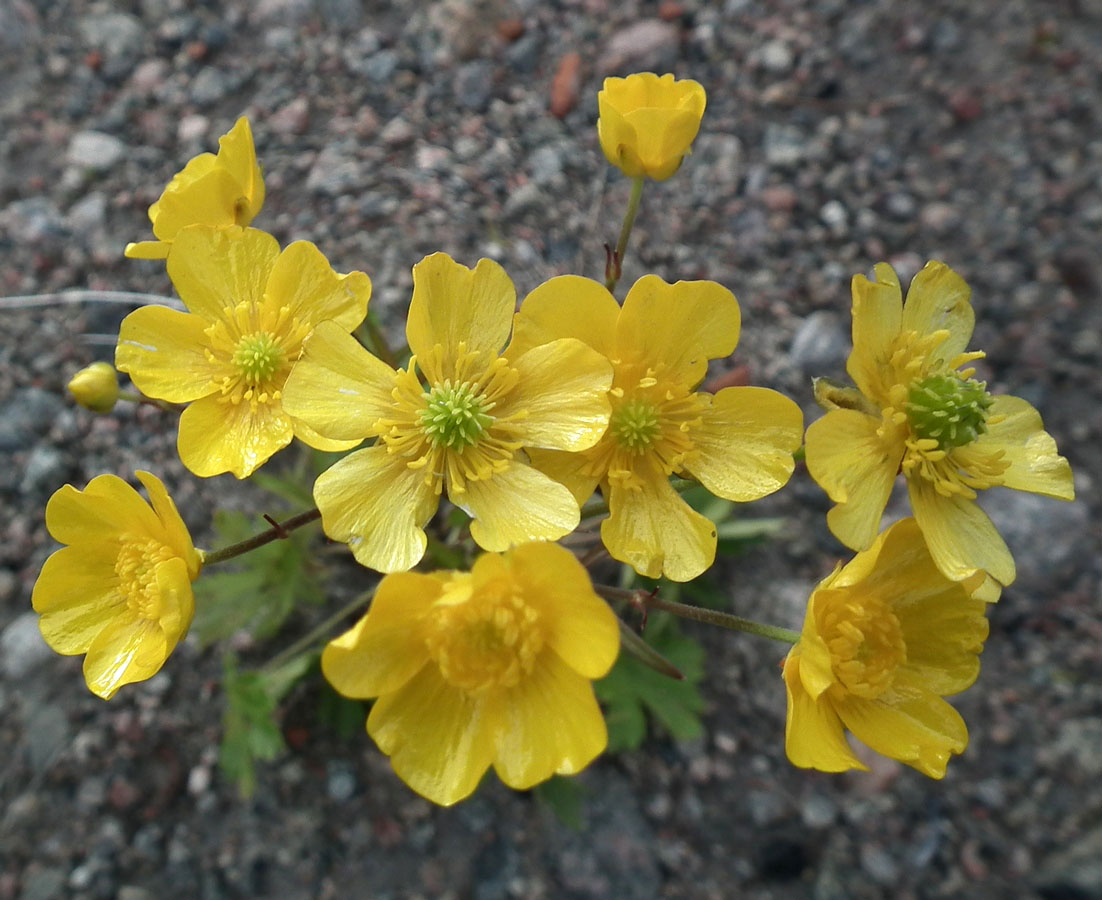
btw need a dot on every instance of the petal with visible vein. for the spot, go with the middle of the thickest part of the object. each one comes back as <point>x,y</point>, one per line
<point>743,449</point>
<point>440,741</point>
<point>164,352</point>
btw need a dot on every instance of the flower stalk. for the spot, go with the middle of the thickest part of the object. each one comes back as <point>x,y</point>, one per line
<point>615,267</point>
<point>649,600</point>
<point>278,531</point>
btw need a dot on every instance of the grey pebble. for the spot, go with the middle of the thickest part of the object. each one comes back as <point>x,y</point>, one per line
<point>118,36</point>
<point>44,470</point>
<point>95,151</point>
<point>29,412</point>
<point>821,344</point>
<point>44,884</point>
<point>22,649</point>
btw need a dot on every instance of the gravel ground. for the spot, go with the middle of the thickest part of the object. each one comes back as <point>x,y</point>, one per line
<point>838,133</point>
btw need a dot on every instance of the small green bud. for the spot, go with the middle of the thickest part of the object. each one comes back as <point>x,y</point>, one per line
<point>96,387</point>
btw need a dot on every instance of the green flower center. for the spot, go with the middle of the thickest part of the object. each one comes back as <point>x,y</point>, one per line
<point>257,356</point>
<point>948,409</point>
<point>635,425</point>
<point>455,415</point>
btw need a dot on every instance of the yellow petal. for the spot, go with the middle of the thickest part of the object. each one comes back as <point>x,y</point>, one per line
<point>960,536</point>
<point>177,602</point>
<point>517,505</point>
<point>656,532</point>
<point>856,468</point>
<point>147,250</point>
<point>164,352</point>
<point>568,469</point>
<point>237,155</point>
<point>77,596</point>
<point>618,139</point>
<point>311,438</point>
<point>550,724</point>
<point>454,305</point>
<point>386,648</point>
<point>218,436</point>
<point>208,200</point>
<point>125,651</point>
<point>176,535</point>
<point>106,508</point>
<point>937,299</point>
<point>1035,464</point>
<point>916,728</point>
<point>743,449</point>
<point>440,741</point>
<point>877,317</point>
<point>376,504</point>
<point>813,737</point>
<point>561,398</point>
<point>663,138</point>
<point>304,282</point>
<point>566,306</point>
<point>337,388</point>
<point>816,665</point>
<point>214,269</point>
<point>677,327</point>
<point>579,626</point>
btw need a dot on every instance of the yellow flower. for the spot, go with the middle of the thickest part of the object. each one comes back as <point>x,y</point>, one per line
<point>885,638</point>
<point>226,189</point>
<point>96,387</point>
<point>647,123</point>
<point>920,412</point>
<point>120,592</point>
<point>250,307</point>
<point>738,443</point>
<point>461,432</point>
<point>490,667</point>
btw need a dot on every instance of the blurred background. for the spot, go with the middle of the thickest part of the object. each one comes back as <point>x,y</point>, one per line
<point>838,133</point>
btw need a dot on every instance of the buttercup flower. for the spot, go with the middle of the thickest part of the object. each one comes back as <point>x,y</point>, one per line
<point>738,443</point>
<point>885,638</point>
<point>96,387</point>
<point>250,307</point>
<point>647,123</point>
<point>490,667</point>
<point>226,189</point>
<point>120,592</point>
<point>921,413</point>
<point>460,432</point>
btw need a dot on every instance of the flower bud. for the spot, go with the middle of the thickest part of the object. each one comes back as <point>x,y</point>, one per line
<point>96,387</point>
<point>647,123</point>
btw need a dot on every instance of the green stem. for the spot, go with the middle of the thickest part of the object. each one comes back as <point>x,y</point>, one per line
<point>650,600</point>
<point>278,531</point>
<point>617,266</point>
<point>135,397</point>
<point>317,631</point>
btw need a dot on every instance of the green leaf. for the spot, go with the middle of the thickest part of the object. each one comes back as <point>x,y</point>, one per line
<point>291,488</point>
<point>258,590</point>
<point>632,691</point>
<point>565,797</point>
<point>249,729</point>
<point>342,715</point>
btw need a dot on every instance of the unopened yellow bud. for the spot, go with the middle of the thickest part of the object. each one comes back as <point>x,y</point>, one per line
<point>96,387</point>
<point>647,123</point>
